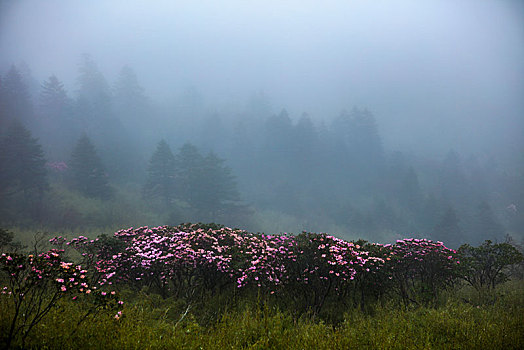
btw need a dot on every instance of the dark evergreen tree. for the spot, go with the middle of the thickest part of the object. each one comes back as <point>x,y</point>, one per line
<point>189,165</point>
<point>87,172</point>
<point>205,183</point>
<point>23,176</point>
<point>218,191</point>
<point>160,181</point>
<point>16,100</point>
<point>57,127</point>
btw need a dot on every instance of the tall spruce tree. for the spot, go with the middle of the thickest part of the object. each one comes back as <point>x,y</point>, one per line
<point>23,176</point>
<point>58,129</point>
<point>161,174</point>
<point>218,188</point>
<point>16,99</point>
<point>205,183</point>
<point>88,174</point>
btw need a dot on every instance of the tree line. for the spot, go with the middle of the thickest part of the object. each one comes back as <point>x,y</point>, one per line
<point>330,173</point>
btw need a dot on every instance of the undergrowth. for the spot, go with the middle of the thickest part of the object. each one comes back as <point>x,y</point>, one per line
<point>150,322</point>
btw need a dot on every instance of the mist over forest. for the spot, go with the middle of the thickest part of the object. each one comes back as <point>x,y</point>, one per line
<point>365,120</point>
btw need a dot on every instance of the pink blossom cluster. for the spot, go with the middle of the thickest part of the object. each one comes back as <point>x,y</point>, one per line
<point>411,254</point>
<point>167,257</point>
<point>420,268</point>
<point>173,258</point>
<point>46,271</point>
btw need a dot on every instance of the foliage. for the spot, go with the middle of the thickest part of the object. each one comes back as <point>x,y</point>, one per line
<point>485,266</point>
<point>23,176</point>
<point>212,286</point>
<point>56,118</point>
<point>421,268</point>
<point>205,183</point>
<point>152,323</point>
<point>15,104</point>
<point>303,272</point>
<point>87,172</point>
<point>161,174</point>
<point>35,284</point>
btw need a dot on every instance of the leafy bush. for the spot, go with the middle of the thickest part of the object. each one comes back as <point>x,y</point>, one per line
<point>35,284</point>
<point>485,266</point>
<point>302,273</point>
<point>421,268</point>
<point>210,286</point>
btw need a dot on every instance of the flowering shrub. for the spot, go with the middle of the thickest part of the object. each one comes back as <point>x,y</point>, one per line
<point>319,266</point>
<point>306,270</point>
<point>95,253</point>
<point>421,267</point>
<point>373,277</point>
<point>35,283</point>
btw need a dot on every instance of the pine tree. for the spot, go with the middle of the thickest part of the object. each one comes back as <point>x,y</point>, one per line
<point>218,188</point>
<point>205,183</point>
<point>23,176</point>
<point>53,98</point>
<point>189,163</point>
<point>58,129</point>
<point>16,100</point>
<point>161,174</point>
<point>88,174</point>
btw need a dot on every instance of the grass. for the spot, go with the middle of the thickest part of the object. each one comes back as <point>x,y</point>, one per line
<point>149,322</point>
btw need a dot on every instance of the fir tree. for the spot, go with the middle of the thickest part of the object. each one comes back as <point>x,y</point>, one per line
<point>161,174</point>
<point>16,100</point>
<point>88,174</point>
<point>57,127</point>
<point>23,176</point>
<point>205,183</point>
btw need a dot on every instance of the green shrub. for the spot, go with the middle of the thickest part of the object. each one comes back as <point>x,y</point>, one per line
<point>486,266</point>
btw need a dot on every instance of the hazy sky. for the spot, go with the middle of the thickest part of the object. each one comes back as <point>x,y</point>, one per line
<point>436,74</point>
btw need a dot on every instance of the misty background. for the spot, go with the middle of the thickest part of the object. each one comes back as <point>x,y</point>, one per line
<point>376,120</point>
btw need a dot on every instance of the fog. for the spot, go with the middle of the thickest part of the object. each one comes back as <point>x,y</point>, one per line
<point>441,67</point>
<point>438,77</point>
